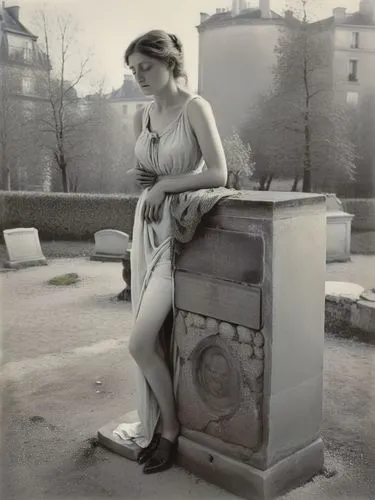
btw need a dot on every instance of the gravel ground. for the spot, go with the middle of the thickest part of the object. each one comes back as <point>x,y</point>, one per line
<point>60,249</point>
<point>59,342</point>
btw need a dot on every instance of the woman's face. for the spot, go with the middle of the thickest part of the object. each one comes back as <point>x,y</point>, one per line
<point>152,75</point>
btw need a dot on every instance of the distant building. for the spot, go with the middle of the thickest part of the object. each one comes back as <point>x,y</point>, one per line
<point>127,99</point>
<point>24,70</point>
<point>20,55</point>
<point>236,55</point>
<point>236,58</point>
<point>354,77</point>
<point>354,53</point>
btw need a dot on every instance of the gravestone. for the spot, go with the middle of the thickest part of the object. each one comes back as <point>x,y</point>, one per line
<point>23,248</point>
<point>110,245</point>
<point>248,344</point>
<point>339,226</point>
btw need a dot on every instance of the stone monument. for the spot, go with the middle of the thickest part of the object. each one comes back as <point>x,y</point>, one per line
<point>110,245</point>
<point>23,248</point>
<point>249,337</point>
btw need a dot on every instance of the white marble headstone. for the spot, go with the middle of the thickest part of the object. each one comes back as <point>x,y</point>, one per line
<point>110,244</point>
<point>23,247</point>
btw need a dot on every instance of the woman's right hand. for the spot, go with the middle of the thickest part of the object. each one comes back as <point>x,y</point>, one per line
<point>145,179</point>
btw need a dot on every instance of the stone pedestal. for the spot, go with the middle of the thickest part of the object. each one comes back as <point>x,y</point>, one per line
<point>339,226</point>
<point>249,332</point>
<point>249,295</point>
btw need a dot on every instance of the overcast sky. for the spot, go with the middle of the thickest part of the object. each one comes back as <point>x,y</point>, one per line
<point>107,26</point>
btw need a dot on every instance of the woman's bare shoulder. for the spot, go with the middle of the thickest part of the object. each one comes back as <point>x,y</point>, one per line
<point>199,109</point>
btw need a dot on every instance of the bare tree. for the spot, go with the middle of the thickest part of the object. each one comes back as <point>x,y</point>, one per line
<point>61,118</point>
<point>239,158</point>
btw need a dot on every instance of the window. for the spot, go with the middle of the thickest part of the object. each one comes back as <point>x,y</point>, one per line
<point>28,51</point>
<point>20,49</point>
<point>352,99</point>
<point>27,85</point>
<point>124,109</point>
<point>353,70</point>
<point>355,40</point>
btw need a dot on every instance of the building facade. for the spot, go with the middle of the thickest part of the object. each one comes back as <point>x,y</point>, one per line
<point>24,70</point>
<point>236,59</point>
<point>354,53</point>
<point>127,99</point>
<point>21,57</point>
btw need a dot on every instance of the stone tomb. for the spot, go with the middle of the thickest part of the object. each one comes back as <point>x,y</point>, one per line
<point>110,245</point>
<point>249,332</point>
<point>23,247</point>
<point>249,339</point>
<point>339,226</point>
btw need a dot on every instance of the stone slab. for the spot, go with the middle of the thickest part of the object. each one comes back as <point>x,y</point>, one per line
<point>23,247</point>
<point>241,262</point>
<point>338,241</point>
<point>343,289</point>
<point>219,299</point>
<point>368,295</point>
<point>333,203</point>
<point>246,481</point>
<point>114,443</point>
<point>110,245</point>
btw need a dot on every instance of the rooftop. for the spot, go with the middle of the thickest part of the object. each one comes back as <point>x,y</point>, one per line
<point>128,91</point>
<point>10,22</point>
<point>358,19</point>
<point>251,13</point>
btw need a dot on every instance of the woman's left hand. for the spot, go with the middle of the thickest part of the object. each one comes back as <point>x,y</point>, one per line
<point>144,178</point>
<point>153,204</point>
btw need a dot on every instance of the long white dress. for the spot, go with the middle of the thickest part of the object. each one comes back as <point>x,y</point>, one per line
<point>174,151</point>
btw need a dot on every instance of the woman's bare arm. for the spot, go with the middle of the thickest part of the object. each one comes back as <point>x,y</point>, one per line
<point>203,123</point>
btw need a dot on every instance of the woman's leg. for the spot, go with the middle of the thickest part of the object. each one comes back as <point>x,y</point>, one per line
<point>156,304</point>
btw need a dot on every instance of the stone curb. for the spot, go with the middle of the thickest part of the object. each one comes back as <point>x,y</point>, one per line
<point>350,317</point>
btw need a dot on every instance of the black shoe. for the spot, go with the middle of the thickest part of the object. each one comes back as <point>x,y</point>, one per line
<point>147,452</point>
<point>163,458</point>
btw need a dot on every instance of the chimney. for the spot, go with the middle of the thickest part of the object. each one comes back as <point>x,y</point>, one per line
<point>14,11</point>
<point>339,13</point>
<point>367,9</point>
<point>265,10</point>
<point>204,16</point>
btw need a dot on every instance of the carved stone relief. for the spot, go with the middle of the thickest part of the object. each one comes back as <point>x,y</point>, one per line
<point>220,381</point>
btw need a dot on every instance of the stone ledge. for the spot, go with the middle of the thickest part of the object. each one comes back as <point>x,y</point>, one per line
<point>347,313</point>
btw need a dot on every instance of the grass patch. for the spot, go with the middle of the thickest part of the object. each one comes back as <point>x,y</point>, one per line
<point>64,279</point>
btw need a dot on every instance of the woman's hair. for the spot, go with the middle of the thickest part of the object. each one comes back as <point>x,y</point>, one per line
<point>160,45</point>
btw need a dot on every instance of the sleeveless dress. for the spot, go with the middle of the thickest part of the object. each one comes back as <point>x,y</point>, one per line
<point>172,152</point>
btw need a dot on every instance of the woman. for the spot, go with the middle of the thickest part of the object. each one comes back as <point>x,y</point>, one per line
<point>180,159</point>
